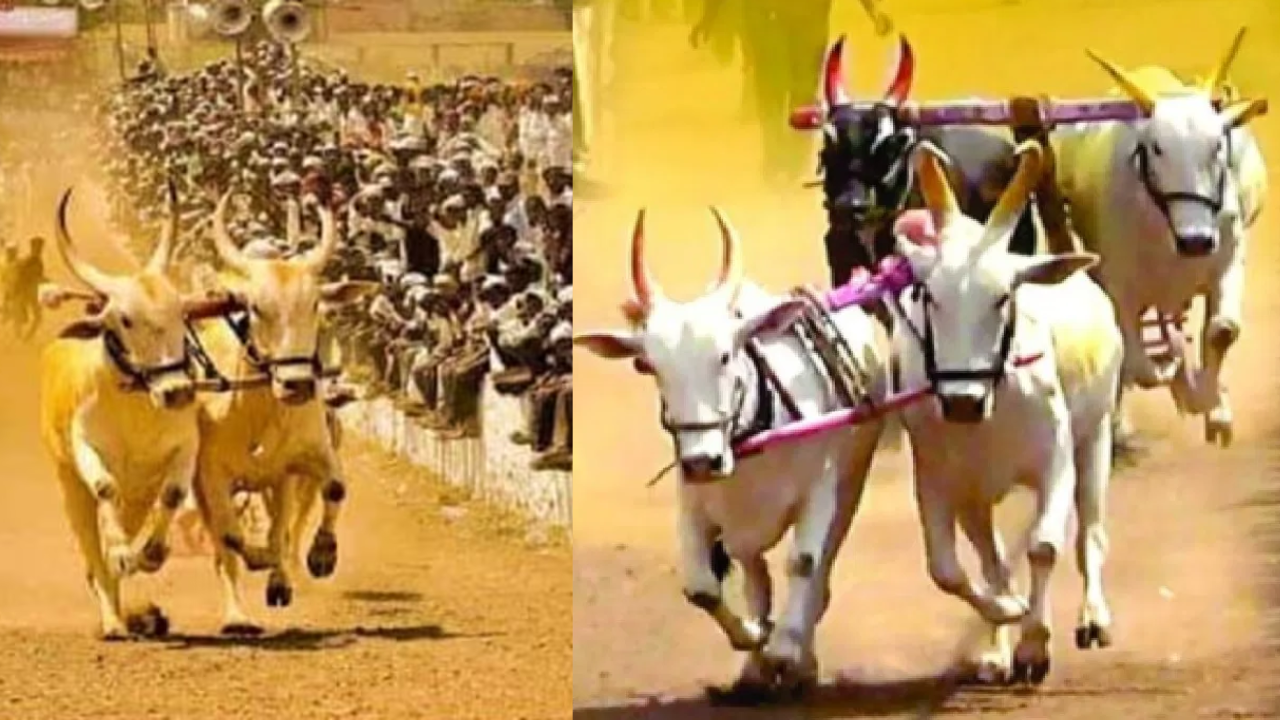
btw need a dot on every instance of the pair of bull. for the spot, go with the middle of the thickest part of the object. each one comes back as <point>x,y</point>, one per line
<point>131,437</point>
<point>1025,354</point>
<point>1167,202</point>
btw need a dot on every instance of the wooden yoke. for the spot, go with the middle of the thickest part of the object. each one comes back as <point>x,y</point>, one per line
<point>1027,121</point>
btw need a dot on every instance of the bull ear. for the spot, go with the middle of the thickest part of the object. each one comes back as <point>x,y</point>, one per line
<point>347,291</point>
<point>610,345</point>
<point>1238,113</point>
<point>1054,269</point>
<point>771,322</point>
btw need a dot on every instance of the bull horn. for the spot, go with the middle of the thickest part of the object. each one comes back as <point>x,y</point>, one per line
<point>647,290</point>
<point>1004,218</point>
<point>904,74</point>
<point>1219,73</point>
<point>1135,91</point>
<point>730,280</point>
<point>97,280</point>
<point>227,250</point>
<point>328,240</point>
<point>163,251</point>
<point>934,186</point>
<point>833,92</point>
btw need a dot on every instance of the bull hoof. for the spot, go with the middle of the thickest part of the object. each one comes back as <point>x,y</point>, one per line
<point>322,559</point>
<point>279,594</point>
<point>1030,672</point>
<point>242,629</point>
<point>741,694</point>
<point>1218,430</point>
<point>1093,635</point>
<point>153,556</point>
<point>151,623</point>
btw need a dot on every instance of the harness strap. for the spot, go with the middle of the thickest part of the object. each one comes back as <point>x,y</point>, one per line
<point>196,349</point>
<point>140,377</point>
<point>766,370</point>
<point>764,416</point>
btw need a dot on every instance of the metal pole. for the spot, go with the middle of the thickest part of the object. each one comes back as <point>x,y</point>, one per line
<point>240,74</point>
<point>119,38</point>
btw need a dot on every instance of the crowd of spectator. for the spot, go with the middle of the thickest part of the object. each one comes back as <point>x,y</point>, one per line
<point>456,197</point>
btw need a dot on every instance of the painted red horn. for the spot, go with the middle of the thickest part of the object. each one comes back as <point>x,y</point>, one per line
<point>903,75</point>
<point>833,86</point>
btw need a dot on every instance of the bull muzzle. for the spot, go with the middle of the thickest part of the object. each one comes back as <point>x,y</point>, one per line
<point>294,390</point>
<point>965,408</point>
<point>173,394</point>
<point>705,467</point>
<point>1196,245</point>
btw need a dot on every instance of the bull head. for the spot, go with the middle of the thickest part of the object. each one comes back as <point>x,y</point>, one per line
<point>693,349</point>
<point>968,278</point>
<point>142,313</point>
<point>284,299</point>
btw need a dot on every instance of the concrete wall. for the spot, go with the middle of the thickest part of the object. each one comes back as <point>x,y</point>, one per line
<point>490,467</point>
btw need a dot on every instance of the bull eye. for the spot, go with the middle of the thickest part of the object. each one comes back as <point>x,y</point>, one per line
<point>724,358</point>
<point>125,322</point>
<point>1155,148</point>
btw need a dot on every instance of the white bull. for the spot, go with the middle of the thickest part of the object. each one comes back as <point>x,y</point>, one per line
<point>1167,203</point>
<point>276,440</point>
<point>119,420</point>
<point>711,390</point>
<point>1024,358</point>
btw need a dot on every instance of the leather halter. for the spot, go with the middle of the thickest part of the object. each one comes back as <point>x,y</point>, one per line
<point>936,376</point>
<point>260,360</point>
<point>730,421</point>
<point>141,376</point>
<point>1162,200</point>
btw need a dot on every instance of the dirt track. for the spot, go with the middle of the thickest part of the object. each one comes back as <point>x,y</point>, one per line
<point>1185,568</point>
<point>433,612</point>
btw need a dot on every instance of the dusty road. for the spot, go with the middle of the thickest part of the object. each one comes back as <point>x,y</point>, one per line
<point>439,609</point>
<point>1187,566</point>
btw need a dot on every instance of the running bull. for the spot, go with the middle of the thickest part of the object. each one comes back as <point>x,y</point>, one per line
<point>728,366</point>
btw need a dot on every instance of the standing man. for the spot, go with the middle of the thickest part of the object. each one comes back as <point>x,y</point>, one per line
<point>592,35</point>
<point>783,42</point>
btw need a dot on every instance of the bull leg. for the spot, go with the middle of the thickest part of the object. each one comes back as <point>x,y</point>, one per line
<point>1223,320</point>
<point>755,680</point>
<point>1093,469</point>
<point>307,495</point>
<point>219,516</point>
<point>82,513</point>
<point>1031,658</point>
<point>322,558</point>
<point>152,544</point>
<point>283,543</point>
<point>992,662</point>
<point>938,515</point>
<point>122,561</point>
<point>702,583</point>
<point>1139,368</point>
